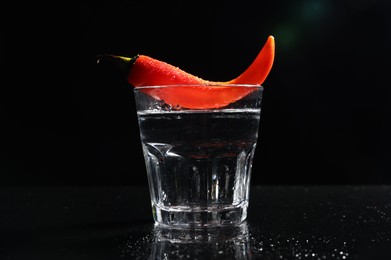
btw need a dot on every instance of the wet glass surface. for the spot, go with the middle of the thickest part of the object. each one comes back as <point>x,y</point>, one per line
<point>295,222</point>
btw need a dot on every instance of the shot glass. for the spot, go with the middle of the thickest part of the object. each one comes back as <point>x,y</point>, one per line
<point>198,161</point>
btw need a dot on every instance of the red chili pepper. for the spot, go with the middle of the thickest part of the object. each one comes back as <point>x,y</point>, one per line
<point>143,70</point>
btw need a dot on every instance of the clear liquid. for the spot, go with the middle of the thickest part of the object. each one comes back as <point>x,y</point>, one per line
<point>199,164</point>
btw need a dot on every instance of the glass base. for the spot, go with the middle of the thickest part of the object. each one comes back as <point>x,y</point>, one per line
<point>197,217</point>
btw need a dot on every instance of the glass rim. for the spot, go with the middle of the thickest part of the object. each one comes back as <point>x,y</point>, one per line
<point>200,85</point>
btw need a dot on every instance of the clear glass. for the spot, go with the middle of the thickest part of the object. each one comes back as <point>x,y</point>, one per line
<point>198,161</point>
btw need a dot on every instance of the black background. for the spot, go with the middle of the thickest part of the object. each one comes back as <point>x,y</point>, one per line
<point>326,107</point>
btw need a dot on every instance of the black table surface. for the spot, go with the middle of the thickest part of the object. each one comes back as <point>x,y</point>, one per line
<point>284,222</point>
